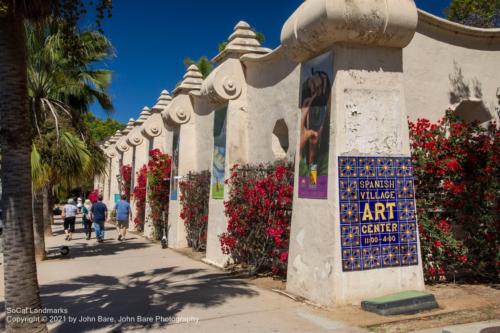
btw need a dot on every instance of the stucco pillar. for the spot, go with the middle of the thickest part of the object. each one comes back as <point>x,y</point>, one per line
<point>339,251</point>
<point>153,130</point>
<point>115,156</point>
<point>127,153</point>
<point>180,115</point>
<point>110,155</point>
<point>138,149</point>
<point>226,89</point>
<point>115,170</point>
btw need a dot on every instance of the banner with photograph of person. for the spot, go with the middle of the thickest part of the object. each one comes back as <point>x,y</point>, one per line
<point>219,158</point>
<point>315,103</point>
<point>174,180</point>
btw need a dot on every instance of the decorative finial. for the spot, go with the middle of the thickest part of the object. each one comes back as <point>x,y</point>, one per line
<point>163,101</point>
<point>143,116</point>
<point>145,111</point>
<point>192,80</point>
<point>130,126</point>
<point>242,40</point>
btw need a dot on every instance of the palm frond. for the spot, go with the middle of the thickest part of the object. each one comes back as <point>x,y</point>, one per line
<point>40,171</point>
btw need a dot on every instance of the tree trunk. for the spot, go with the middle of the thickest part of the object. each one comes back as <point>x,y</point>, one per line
<point>47,210</point>
<point>38,226</point>
<point>21,284</point>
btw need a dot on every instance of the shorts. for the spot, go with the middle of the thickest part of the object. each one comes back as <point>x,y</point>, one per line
<point>122,224</point>
<point>69,223</point>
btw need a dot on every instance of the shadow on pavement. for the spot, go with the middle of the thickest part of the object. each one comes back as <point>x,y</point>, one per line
<point>108,247</point>
<point>161,292</point>
<point>79,229</point>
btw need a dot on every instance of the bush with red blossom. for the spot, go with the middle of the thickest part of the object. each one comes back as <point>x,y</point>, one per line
<point>457,178</point>
<point>195,194</point>
<point>140,197</point>
<point>159,168</point>
<point>126,179</point>
<point>259,213</point>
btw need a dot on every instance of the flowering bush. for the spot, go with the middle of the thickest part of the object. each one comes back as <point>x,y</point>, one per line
<point>126,179</point>
<point>159,167</point>
<point>140,197</point>
<point>457,179</point>
<point>259,211</point>
<point>195,193</point>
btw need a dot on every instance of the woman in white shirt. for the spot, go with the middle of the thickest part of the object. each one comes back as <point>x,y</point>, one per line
<point>69,216</point>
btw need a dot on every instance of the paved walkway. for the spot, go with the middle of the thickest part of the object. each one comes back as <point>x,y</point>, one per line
<point>136,285</point>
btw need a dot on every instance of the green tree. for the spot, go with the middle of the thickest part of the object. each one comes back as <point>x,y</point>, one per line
<point>476,13</point>
<point>21,283</point>
<point>61,85</point>
<point>62,81</point>
<point>101,129</point>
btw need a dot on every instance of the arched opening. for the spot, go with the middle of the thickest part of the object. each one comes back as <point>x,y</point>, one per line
<point>280,142</point>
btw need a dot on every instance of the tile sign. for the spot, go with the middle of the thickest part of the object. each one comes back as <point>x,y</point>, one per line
<point>377,212</point>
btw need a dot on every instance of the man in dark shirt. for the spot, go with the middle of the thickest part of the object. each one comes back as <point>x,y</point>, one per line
<point>99,215</point>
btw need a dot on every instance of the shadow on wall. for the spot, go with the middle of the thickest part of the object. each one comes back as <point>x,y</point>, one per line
<point>280,141</point>
<point>276,65</point>
<point>462,89</point>
<point>161,292</point>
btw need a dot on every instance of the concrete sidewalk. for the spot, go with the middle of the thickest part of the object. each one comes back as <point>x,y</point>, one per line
<point>137,285</point>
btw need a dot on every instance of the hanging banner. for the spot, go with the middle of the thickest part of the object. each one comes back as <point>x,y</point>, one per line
<point>316,84</point>
<point>377,212</point>
<point>219,156</point>
<point>174,180</point>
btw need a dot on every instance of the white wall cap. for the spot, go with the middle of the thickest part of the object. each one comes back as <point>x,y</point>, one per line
<point>319,24</point>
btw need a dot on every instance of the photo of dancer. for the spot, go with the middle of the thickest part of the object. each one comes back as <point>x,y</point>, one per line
<point>316,85</point>
<point>219,157</point>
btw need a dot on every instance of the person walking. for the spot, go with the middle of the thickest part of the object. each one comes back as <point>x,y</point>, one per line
<point>87,223</point>
<point>123,214</point>
<point>69,216</point>
<point>79,204</point>
<point>98,216</point>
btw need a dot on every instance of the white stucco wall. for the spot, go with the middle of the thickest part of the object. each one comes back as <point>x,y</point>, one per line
<point>437,50</point>
<point>368,118</point>
<point>376,86</point>
<point>273,94</point>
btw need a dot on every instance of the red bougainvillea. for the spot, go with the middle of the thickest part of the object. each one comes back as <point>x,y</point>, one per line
<point>159,168</point>
<point>195,193</point>
<point>259,211</point>
<point>126,180</point>
<point>140,197</point>
<point>457,186</point>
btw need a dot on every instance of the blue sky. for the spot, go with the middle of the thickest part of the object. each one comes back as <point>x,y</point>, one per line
<point>152,40</point>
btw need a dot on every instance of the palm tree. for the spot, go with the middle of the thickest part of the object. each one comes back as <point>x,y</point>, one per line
<point>61,81</point>
<point>61,166</point>
<point>21,283</point>
<point>61,86</point>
